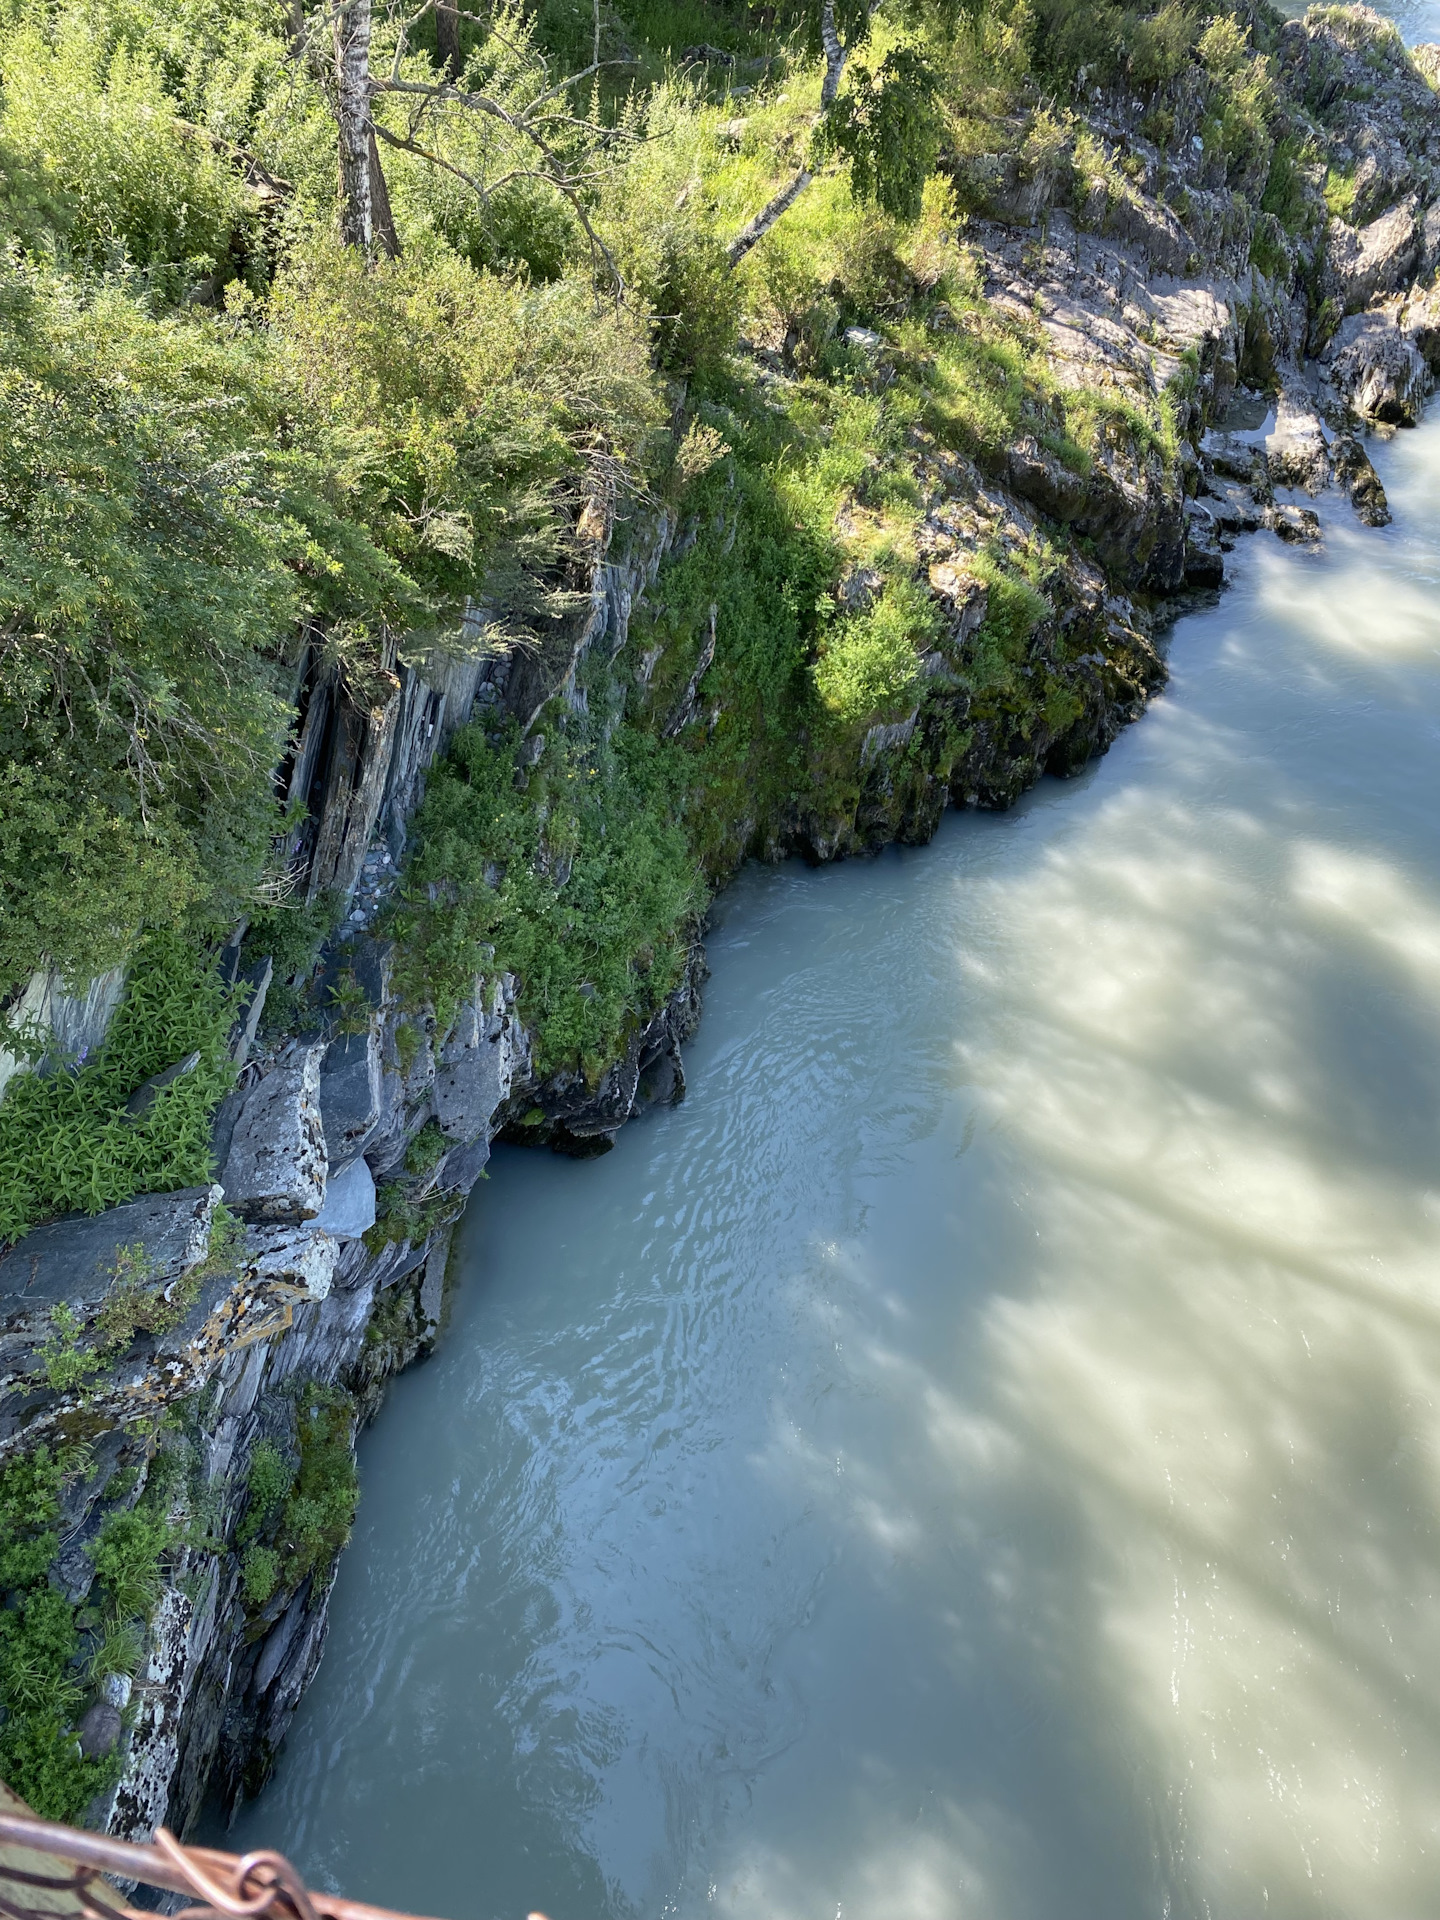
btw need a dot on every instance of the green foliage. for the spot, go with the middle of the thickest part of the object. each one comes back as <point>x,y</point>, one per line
<point>1340,192</point>
<point>269,1481</point>
<point>1162,43</point>
<point>65,1141</point>
<point>888,125</point>
<point>1244,93</point>
<point>140,582</point>
<point>39,1688</point>
<point>291,933</point>
<point>1284,196</point>
<point>466,401</point>
<point>319,1512</point>
<point>127,1553</point>
<point>118,1651</point>
<point>260,1574</point>
<point>399,1217</point>
<point>130,182</point>
<point>427,1149</point>
<point>66,1363</point>
<point>870,662</point>
<point>580,884</point>
<point>696,301</point>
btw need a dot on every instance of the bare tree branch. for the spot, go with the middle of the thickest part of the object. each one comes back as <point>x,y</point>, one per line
<point>767,216</point>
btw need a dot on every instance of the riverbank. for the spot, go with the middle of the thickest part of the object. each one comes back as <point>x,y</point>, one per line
<point>971,1457</point>
<point>519,956</point>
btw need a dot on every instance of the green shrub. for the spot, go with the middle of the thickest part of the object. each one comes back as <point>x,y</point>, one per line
<point>127,1553</point>
<point>427,1149</point>
<point>595,888</point>
<point>96,126</point>
<point>400,1217</point>
<point>260,1574</point>
<point>319,1511</point>
<point>142,581</point>
<point>870,660</point>
<point>269,1481</point>
<point>39,1688</point>
<point>65,1141</point>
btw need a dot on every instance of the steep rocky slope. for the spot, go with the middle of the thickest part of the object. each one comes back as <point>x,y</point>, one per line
<point>259,1318</point>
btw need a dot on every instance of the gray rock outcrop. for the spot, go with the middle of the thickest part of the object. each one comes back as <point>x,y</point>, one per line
<point>276,1165</point>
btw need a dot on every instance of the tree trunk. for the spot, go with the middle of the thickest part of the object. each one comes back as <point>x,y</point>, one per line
<point>383,221</point>
<point>447,38</point>
<point>834,56</point>
<point>767,216</point>
<point>352,110</point>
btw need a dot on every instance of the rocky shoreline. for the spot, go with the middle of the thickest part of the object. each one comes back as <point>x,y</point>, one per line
<point>346,1152</point>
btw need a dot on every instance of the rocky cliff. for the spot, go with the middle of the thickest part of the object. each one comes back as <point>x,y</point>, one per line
<point>202,1360</point>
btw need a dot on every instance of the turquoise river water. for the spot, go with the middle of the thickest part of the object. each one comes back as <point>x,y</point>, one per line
<point>979,1457</point>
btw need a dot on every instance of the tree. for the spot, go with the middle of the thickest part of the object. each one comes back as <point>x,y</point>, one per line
<point>565,147</point>
<point>888,126</point>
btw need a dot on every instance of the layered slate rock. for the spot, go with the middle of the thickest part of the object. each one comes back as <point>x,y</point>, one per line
<point>75,1259</point>
<point>350,1094</point>
<point>276,1166</point>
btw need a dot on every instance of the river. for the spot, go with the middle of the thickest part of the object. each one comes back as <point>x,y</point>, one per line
<point>979,1457</point>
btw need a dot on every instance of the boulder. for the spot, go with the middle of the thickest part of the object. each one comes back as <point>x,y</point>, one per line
<point>1365,263</point>
<point>1233,508</point>
<point>1378,368</point>
<point>349,1208</point>
<point>99,1730</point>
<point>350,1094</point>
<point>301,1258</point>
<point>1296,450</point>
<point>276,1166</point>
<point>1299,525</point>
<point>1045,481</point>
<point>1354,472</point>
<point>75,1259</point>
<point>1204,561</point>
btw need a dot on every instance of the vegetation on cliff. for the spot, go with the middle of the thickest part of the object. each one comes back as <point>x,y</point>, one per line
<point>726,283</point>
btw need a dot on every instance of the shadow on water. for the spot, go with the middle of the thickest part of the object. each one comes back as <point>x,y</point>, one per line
<point>979,1459</point>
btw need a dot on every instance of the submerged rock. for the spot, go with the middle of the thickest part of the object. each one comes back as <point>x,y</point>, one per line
<point>1354,472</point>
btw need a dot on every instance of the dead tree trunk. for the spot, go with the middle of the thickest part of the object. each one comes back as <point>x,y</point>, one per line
<point>382,219</point>
<point>352,110</point>
<point>447,38</point>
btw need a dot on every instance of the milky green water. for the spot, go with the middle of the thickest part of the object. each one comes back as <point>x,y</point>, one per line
<point>978,1458</point>
<point>1418,20</point>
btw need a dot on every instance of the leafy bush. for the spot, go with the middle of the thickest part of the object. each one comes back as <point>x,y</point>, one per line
<point>427,1149</point>
<point>399,1217</point>
<point>319,1511</point>
<point>269,1481</point>
<point>870,661</point>
<point>65,1140</point>
<point>39,1688</point>
<point>141,584</point>
<point>888,125</point>
<point>582,885</point>
<point>260,1574</point>
<point>127,1554</point>
<point>96,126</point>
